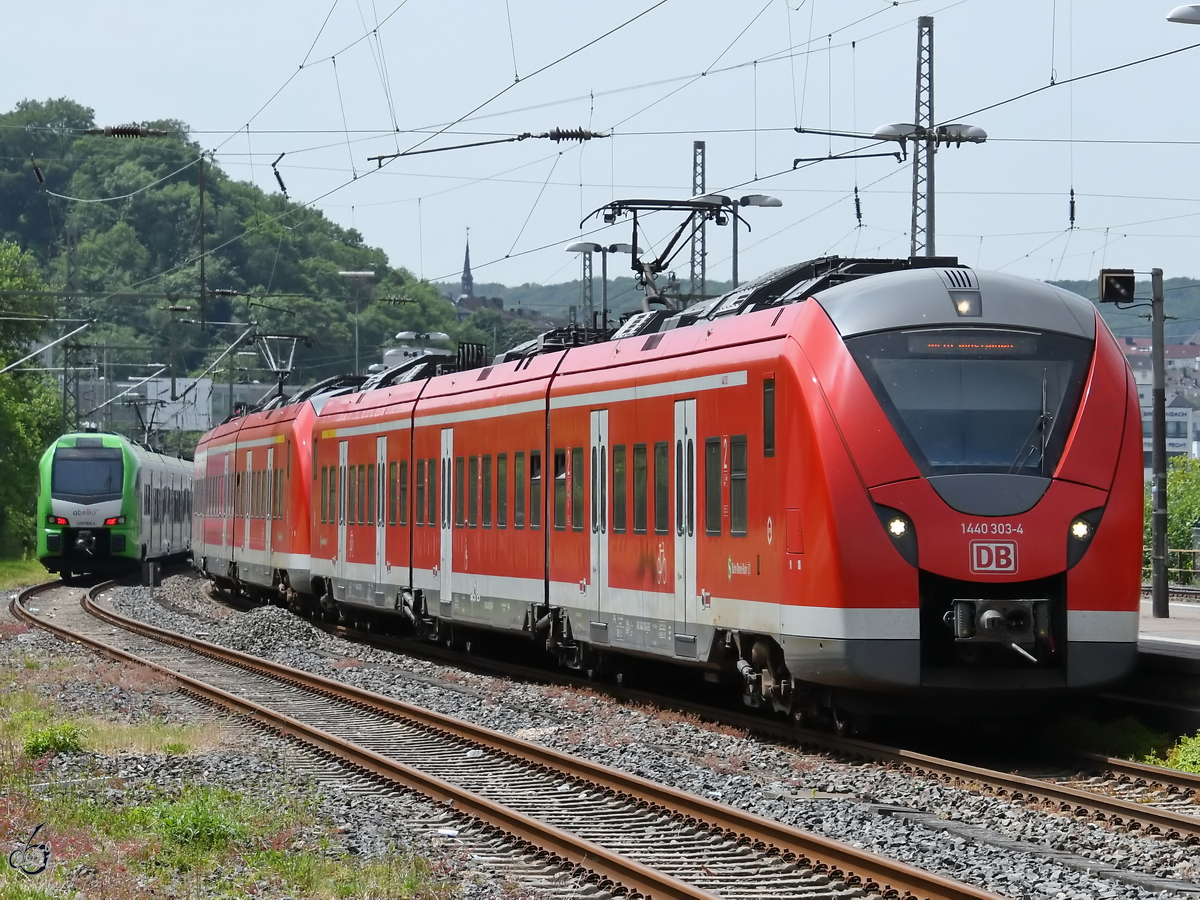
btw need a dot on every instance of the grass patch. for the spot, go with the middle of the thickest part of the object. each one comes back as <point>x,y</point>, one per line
<point>21,572</point>
<point>393,876</point>
<point>150,737</point>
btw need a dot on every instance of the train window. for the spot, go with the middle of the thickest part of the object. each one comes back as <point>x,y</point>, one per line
<point>459,468</point>
<point>738,495</point>
<point>535,489</point>
<point>473,491</point>
<point>421,492</point>
<point>618,488</point>
<point>487,491</point>
<point>333,489</point>
<point>595,494</point>
<point>712,486</point>
<point>691,487</point>
<point>392,469</point>
<point>403,492</point>
<point>432,517</point>
<point>370,493</point>
<point>351,494</point>
<point>769,417</point>
<point>501,490</point>
<point>519,490</point>
<point>363,492</point>
<point>560,489</point>
<point>640,478</point>
<point>603,490</point>
<point>239,502</point>
<point>279,494</point>
<point>662,488</point>
<point>146,498</point>
<point>976,400</point>
<point>577,512</point>
<point>324,494</point>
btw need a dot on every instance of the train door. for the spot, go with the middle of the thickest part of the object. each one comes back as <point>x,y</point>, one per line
<point>446,563</point>
<point>247,496</point>
<point>225,505</point>
<point>380,510</point>
<point>269,511</point>
<point>685,528</point>
<point>599,550</point>
<point>341,568</point>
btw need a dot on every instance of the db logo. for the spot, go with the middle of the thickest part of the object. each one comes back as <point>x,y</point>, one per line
<point>994,557</point>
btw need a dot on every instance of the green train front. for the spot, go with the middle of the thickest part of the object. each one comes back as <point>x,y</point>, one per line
<point>105,503</point>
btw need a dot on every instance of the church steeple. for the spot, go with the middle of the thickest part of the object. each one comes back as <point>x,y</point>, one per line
<point>468,281</point>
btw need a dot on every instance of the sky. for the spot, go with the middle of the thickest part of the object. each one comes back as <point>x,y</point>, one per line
<point>331,84</point>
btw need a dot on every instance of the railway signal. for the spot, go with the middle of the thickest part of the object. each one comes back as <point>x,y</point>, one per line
<point>1117,287</point>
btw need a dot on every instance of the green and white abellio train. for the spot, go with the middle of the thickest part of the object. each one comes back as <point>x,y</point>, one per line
<point>105,504</point>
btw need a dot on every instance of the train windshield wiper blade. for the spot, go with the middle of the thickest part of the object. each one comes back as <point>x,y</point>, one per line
<point>1029,446</point>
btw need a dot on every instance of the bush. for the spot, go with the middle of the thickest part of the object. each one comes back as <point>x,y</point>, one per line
<point>55,739</point>
<point>1184,756</point>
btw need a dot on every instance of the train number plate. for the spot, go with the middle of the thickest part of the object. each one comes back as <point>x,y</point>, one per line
<point>994,557</point>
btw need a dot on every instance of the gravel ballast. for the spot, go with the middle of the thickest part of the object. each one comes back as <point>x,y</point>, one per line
<point>994,843</point>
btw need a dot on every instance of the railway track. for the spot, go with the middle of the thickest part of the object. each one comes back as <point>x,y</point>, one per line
<point>624,833</point>
<point>1138,797</point>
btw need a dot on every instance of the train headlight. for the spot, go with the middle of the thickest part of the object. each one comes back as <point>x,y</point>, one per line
<point>900,529</point>
<point>1080,533</point>
<point>56,520</point>
<point>115,520</point>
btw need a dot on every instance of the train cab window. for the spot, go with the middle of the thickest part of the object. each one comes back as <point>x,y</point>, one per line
<point>640,483</point>
<point>473,492</point>
<point>769,417</point>
<point>577,511</point>
<point>324,494</point>
<point>459,478</point>
<point>501,490</point>
<point>391,495</point>
<point>432,494</point>
<point>519,490</point>
<point>738,494</point>
<point>351,493</point>
<point>486,486</point>
<point>618,489</point>
<point>972,400</point>
<point>662,488</point>
<point>370,493</point>
<point>535,489</point>
<point>421,492</point>
<point>712,486</point>
<point>560,489</point>
<point>403,493</point>
<point>362,494</point>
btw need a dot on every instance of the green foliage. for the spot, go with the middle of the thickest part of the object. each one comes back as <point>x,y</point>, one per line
<point>64,738</point>
<point>18,572</point>
<point>1184,755</point>
<point>175,748</point>
<point>202,819</point>
<point>1183,503</point>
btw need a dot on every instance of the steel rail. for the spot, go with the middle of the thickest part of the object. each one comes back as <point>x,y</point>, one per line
<point>603,863</point>
<point>1074,801</point>
<point>857,868</point>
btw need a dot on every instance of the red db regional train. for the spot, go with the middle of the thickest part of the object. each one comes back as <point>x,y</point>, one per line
<point>846,481</point>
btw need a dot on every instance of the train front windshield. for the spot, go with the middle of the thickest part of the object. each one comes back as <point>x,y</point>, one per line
<point>87,475</point>
<point>977,400</point>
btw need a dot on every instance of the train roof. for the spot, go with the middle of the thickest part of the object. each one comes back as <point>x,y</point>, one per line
<point>97,439</point>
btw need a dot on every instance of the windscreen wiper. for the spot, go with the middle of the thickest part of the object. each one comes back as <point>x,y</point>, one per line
<point>1029,446</point>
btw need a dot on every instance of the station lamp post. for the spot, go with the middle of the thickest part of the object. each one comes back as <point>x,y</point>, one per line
<point>356,275</point>
<point>589,248</point>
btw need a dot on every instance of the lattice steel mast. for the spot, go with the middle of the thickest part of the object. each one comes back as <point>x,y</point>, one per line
<point>699,248</point>
<point>923,150</point>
